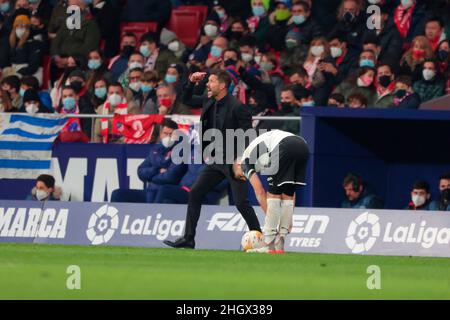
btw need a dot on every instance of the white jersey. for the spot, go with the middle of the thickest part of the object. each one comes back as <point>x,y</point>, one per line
<point>271,140</point>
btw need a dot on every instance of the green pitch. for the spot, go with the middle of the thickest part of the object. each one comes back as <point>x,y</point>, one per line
<point>40,272</point>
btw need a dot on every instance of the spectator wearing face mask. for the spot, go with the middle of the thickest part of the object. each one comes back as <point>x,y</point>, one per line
<point>410,17</point>
<point>259,23</point>
<point>296,52</point>
<point>336,100</point>
<point>119,63</point>
<point>25,52</point>
<point>420,196</point>
<point>97,69</point>
<point>115,103</point>
<point>208,33</point>
<point>443,54</point>
<point>45,189</point>
<point>168,103</point>
<point>32,103</point>
<point>218,48</point>
<point>11,86</point>
<point>73,130</point>
<point>156,57</point>
<point>303,21</point>
<point>276,34</point>
<point>345,60</point>
<point>133,94</point>
<point>171,41</point>
<point>321,70</point>
<point>238,30</point>
<point>224,17</point>
<point>405,97</point>
<point>136,61</point>
<point>432,85</point>
<point>351,22</point>
<point>385,87</point>
<point>30,82</point>
<point>412,61</point>
<point>362,82</point>
<point>149,83</point>
<point>443,203</point>
<point>100,92</point>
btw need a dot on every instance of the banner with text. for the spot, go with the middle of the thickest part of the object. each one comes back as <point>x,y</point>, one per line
<point>359,231</point>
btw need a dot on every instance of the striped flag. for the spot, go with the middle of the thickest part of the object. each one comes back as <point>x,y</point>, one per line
<point>26,144</point>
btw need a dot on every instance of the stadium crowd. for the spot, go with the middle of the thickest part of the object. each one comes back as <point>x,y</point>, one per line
<point>282,55</point>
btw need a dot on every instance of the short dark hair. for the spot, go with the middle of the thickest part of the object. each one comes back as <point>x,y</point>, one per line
<point>445,176</point>
<point>405,80</point>
<point>151,37</point>
<point>115,84</point>
<point>129,35</point>
<point>354,179</point>
<point>47,179</point>
<point>169,124</point>
<point>435,19</point>
<point>301,71</point>
<point>30,81</point>
<point>12,81</point>
<point>422,185</point>
<point>357,96</point>
<point>304,4</point>
<point>223,77</point>
<point>338,97</point>
<point>68,87</point>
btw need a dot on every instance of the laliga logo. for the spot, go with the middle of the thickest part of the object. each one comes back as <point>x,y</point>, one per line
<point>363,232</point>
<point>102,225</point>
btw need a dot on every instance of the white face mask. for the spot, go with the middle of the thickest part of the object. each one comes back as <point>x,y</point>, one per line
<point>167,142</point>
<point>247,57</point>
<point>258,59</point>
<point>20,32</point>
<point>317,50</point>
<point>32,108</point>
<point>135,65</point>
<point>428,74</point>
<point>210,30</point>
<point>336,52</point>
<point>407,3</point>
<point>135,86</point>
<point>374,1</point>
<point>174,46</point>
<point>418,200</point>
<point>115,99</point>
<point>41,195</point>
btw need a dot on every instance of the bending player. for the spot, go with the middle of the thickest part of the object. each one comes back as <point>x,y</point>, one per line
<point>283,156</point>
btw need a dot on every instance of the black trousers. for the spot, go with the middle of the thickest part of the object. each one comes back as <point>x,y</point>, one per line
<point>211,176</point>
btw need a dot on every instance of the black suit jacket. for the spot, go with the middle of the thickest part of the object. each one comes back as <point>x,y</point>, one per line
<point>237,115</point>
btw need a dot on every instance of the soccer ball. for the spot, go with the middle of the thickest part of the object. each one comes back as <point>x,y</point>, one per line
<point>252,240</point>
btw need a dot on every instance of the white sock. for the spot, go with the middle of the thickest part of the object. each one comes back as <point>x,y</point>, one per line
<point>272,220</point>
<point>287,212</point>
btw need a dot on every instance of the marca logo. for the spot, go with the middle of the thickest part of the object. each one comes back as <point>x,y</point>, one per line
<point>364,231</point>
<point>33,223</point>
<point>104,223</point>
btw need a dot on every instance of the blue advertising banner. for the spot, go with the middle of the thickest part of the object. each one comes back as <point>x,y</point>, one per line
<point>358,231</point>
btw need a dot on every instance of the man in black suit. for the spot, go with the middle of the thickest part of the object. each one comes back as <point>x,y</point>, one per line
<point>221,111</point>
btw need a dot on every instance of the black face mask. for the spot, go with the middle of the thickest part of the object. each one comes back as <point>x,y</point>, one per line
<point>385,81</point>
<point>443,55</point>
<point>128,51</point>
<point>77,86</point>
<point>286,107</point>
<point>230,62</point>
<point>445,196</point>
<point>235,35</point>
<point>349,17</point>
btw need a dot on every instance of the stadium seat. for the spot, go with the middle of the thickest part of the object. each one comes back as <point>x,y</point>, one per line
<point>203,10</point>
<point>186,25</point>
<point>46,65</point>
<point>138,28</point>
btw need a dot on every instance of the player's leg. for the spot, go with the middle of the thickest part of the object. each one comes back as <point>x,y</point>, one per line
<point>287,213</point>
<point>207,180</point>
<point>239,190</point>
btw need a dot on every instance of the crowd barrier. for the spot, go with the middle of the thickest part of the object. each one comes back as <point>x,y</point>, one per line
<point>314,230</point>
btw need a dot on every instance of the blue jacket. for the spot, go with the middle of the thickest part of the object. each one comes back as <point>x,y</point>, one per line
<point>160,157</point>
<point>367,200</point>
<point>436,206</point>
<point>410,102</point>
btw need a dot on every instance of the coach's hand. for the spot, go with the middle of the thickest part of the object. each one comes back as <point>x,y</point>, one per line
<point>196,77</point>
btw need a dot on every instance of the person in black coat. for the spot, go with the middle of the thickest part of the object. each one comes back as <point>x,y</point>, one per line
<point>32,103</point>
<point>405,97</point>
<point>304,23</point>
<point>345,60</point>
<point>107,14</point>
<point>352,23</point>
<point>388,38</point>
<point>221,111</point>
<point>158,11</point>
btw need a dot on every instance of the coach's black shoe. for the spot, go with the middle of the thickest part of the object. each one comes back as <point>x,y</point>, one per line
<point>181,243</point>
